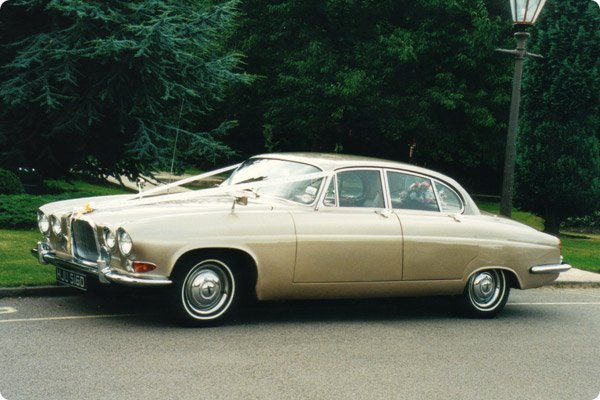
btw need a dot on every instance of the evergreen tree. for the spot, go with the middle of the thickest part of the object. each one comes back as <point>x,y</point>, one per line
<point>558,149</point>
<point>107,85</point>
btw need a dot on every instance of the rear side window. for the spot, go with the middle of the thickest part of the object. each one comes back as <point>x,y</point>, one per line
<point>411,192</point>
<point>449,200</point>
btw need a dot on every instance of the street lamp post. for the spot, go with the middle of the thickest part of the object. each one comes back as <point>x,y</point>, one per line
<point>524,13</point>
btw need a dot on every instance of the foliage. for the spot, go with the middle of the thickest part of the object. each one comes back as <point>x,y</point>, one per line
<point>558,150</point>
<point>10,183</point>
<point>19,211</point>
<point>107,86</point>
<point>586,223</point>
<point>371,77</point>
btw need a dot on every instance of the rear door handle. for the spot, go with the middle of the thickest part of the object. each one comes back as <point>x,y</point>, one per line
<point>384,213</point>
<point>454,217</point>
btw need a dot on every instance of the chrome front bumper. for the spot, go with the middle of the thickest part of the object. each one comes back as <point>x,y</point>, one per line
<point>104,272</point>
<point>549,269</point>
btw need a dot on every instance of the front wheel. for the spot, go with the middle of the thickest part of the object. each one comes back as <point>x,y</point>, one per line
<point>486,294</point>
<point>206,292</point>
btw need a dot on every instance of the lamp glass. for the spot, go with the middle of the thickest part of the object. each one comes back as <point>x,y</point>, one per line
<point>526,11</point>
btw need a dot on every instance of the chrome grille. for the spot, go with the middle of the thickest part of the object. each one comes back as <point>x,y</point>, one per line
<point>84,241</point>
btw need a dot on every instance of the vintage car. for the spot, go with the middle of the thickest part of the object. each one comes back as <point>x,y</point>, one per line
<point>299,226</point>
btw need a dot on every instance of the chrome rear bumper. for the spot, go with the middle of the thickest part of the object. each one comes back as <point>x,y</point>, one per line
<point>549,269</point>
<point>104,272</point>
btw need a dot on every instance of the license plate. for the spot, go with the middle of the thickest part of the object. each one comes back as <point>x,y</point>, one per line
<point>71,278</point>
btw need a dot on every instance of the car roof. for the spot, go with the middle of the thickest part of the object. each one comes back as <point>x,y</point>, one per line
<point>329,162</point>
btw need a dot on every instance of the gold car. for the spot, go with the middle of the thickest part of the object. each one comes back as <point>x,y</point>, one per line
<point>299,226</point>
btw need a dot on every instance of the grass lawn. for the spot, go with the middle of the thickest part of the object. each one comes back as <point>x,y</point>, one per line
<point>582,252</point>
<point>17,266</point>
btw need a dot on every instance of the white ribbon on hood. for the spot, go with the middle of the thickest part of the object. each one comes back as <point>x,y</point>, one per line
<point>230,190</point>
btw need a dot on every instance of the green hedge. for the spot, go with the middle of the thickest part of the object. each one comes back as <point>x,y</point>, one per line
<point>591,221</point>
<point>9,183</point>
<point>19,211</point>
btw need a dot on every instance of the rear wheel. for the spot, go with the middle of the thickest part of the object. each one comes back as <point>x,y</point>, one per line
<point>486,294</point>
<point>205,292</point>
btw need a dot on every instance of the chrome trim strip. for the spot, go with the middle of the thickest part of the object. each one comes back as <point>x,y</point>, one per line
<point>105,273</point>
<point>549,269</point>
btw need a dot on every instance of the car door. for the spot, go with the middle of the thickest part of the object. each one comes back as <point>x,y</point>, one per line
<point>438,239</point>
<point>352,236</point>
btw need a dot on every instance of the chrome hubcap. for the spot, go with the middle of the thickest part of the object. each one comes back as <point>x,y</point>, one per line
<point>208,289</point>
<point>486,289</point>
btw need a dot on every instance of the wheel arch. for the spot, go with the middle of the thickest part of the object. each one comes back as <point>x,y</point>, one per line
<point>246,262</point>
<point>512,278</point>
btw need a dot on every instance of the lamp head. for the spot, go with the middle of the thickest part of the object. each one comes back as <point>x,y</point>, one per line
<point>526,12</point>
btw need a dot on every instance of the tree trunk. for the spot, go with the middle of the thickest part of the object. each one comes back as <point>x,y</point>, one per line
<point>552,222</point>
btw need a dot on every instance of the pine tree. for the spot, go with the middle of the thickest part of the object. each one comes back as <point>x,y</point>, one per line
<point>106,86</point>
<point>558,149</point>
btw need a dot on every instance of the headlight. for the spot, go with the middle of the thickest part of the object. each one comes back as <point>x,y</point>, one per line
<point>56,226</point>
<point>109,239</point>
<point>125,243</point>
<point>43,223</point>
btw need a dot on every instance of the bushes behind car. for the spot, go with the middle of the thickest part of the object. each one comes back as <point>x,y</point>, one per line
<point>588,224</point>
<point>10,183</point>
<point>19,211</point>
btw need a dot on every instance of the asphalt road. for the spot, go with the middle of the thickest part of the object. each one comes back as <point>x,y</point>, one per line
<point>545,345</point>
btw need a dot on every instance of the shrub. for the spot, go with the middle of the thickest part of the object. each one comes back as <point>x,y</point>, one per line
<point>10,183</point>
<point>20,211</point>
<point>589,222</point>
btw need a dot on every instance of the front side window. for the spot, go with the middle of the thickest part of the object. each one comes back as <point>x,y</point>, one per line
<point>356,188</point>
<point>411,192</point>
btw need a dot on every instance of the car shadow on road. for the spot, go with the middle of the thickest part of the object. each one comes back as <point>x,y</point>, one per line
<point>151,308</point>
<point>345,310</point>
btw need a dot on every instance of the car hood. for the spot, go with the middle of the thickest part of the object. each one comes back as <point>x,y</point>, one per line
<point>121,209</point>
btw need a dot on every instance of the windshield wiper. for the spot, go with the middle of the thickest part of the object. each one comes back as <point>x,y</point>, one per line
<point>255,179</point>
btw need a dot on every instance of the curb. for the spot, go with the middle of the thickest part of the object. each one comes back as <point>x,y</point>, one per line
<point>566,284</point>
<point>38,291</point>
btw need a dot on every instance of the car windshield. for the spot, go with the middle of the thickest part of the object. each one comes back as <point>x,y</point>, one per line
<point>264,169</point>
